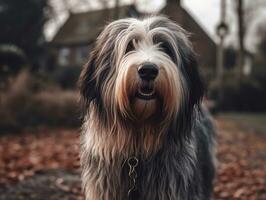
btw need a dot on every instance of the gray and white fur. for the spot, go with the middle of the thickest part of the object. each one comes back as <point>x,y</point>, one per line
<point>141,93</point>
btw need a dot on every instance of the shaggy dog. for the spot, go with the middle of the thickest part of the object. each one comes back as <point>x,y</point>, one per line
<point>145,134</point>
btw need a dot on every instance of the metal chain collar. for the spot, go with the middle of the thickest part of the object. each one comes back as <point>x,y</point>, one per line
<point>132,163</point>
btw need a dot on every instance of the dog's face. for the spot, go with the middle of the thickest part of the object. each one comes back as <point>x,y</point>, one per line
<point>142,70</point>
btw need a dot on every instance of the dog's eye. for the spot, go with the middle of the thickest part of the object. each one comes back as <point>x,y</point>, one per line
<point>166,49</point>
<point>130,46</point>
<point>163,45</point>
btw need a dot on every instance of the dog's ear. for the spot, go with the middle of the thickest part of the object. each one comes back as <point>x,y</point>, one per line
<point>191,73</point>
<point>196,85</point>
<point>194,92</point>
<point>188,65</point>
<point>98,66</point>
<point>87,80</point>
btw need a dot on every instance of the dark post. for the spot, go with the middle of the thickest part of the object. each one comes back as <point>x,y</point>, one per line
<point>241,35</point>
<point>222,30</point>
<point>116,14</point>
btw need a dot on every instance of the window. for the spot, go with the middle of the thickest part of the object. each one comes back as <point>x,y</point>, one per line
<point>82,54</point>
<point>63,58</point>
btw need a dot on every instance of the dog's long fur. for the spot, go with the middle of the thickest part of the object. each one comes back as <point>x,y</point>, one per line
<point>171,135</point>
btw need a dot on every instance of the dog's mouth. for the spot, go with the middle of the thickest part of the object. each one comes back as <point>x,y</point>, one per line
<point>146,91</point>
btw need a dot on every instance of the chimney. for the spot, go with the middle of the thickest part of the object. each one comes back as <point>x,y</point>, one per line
<point>177,2</point>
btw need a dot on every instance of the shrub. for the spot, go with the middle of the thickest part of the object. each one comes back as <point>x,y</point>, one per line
<point>55,108</point>
<point>12,60</point>
<point>27,104</point>
<point>249,95</point>
<point>66,76</point>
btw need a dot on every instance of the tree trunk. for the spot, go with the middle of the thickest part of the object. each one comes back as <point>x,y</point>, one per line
<point>116,14</point>
<point>241,37</point>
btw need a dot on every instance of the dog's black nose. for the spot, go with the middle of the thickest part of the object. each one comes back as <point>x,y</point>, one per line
<point>148,71</point>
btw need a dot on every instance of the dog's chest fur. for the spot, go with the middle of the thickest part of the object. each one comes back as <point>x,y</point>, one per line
<point>167,175</point>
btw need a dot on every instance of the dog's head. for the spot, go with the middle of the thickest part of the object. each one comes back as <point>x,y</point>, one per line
<point>142,71</point>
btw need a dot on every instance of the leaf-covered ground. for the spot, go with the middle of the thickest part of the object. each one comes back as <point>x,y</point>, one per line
<point>241,152</point>
<point>44,164</point>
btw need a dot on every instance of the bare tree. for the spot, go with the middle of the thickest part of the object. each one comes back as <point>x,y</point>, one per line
<point>252,10</point>
<point>247,12</point>
<point>116,9</point>
<point>260,60</point>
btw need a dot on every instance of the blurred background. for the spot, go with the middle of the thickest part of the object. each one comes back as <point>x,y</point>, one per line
<point>43,45</point>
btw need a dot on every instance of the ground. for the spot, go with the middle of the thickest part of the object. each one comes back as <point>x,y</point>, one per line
<point>43,164</point>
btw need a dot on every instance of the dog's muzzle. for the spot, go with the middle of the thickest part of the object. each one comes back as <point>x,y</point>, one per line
<point>147,73</point>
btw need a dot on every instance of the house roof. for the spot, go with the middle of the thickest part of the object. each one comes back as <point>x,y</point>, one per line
<point>84,27</point>
<point>186,20</point>
<point>203,44</point>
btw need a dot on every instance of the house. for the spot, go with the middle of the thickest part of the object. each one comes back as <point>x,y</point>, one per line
<point>72,42</point>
